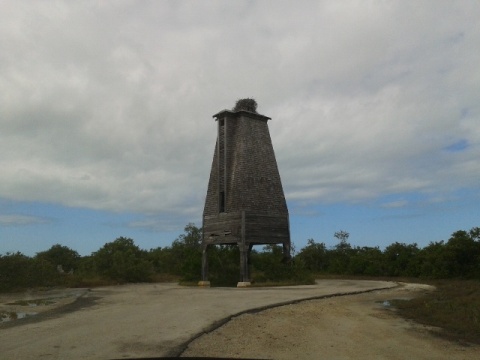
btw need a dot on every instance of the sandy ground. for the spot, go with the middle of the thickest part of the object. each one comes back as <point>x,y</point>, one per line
<point>154,320</point>
<point>349,327</point>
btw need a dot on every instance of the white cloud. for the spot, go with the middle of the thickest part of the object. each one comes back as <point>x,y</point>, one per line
<point>22,220</point>
<point>109,105</point>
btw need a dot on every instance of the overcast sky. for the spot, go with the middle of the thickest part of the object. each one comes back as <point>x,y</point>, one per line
<point>106,107</point>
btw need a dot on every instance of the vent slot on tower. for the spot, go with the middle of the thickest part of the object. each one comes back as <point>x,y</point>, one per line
<point>221,203</point>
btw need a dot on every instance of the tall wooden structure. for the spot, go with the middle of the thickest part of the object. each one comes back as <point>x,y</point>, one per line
<point>245,203</point>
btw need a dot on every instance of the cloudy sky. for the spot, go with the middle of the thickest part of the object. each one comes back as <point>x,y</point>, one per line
<point>106,107</point>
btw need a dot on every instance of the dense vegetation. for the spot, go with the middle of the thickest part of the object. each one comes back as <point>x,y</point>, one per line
<point>122,261</point>
<point>459,257</point>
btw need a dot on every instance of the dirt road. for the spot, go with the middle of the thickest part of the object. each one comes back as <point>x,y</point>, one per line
<point>348,327</point>
<point>152,320</point>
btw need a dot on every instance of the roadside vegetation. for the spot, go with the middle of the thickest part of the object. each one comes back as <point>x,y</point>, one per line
<point>454,308</point>
<point>453,266</point>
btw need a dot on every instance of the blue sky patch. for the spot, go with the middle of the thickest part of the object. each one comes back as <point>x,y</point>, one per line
<point>460,145</point>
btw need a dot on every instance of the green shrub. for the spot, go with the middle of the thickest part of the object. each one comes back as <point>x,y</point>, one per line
<point>122,261</point>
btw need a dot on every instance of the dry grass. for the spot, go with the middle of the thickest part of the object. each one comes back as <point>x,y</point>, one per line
<point>454,307</point>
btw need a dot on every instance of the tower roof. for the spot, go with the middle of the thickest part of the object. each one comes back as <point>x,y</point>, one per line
<point>249,114</point>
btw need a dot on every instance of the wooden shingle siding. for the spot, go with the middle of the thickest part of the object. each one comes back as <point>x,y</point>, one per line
<point>245,202</point>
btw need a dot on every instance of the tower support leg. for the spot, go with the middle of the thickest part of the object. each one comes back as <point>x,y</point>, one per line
<point>244,276</point>
<point>286,252</point>
<point>204,282</point>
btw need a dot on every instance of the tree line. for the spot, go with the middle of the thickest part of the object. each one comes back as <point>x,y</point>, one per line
<point>458,257</point>
<point>122,261</point>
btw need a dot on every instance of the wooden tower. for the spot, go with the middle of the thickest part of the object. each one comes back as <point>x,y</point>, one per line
<point>245,203</point>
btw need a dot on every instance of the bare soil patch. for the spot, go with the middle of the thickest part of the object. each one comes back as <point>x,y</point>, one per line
<point>37,305</point>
